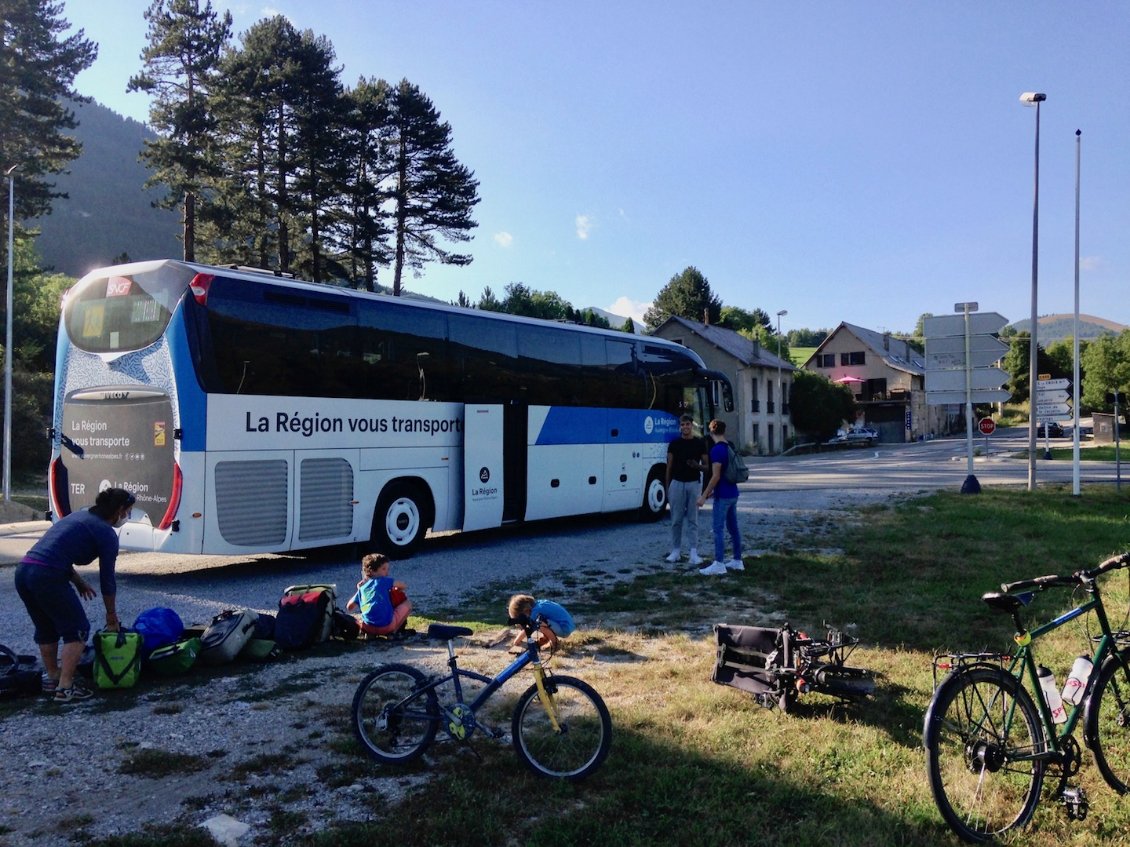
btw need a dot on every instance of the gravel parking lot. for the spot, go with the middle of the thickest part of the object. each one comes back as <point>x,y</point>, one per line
<point>58,758</point>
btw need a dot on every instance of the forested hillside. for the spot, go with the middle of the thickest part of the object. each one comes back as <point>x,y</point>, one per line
<point>107,214</point>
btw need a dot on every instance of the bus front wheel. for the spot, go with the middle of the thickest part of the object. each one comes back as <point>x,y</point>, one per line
<point>401,520</point>
<point>654,496</point>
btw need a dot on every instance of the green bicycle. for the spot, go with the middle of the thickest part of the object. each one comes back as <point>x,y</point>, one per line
<point>990,742</point>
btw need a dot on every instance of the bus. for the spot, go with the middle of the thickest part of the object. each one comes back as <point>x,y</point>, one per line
<point>248,412</point>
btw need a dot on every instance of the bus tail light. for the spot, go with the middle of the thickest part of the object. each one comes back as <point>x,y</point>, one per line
<point>174,498</point>
<point>199,287</point>
<point>57,487</point>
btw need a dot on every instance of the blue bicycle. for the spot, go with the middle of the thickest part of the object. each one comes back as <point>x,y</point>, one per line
<point>560,726</point>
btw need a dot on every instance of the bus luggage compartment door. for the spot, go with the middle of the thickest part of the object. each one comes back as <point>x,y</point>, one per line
<point>483,474</point>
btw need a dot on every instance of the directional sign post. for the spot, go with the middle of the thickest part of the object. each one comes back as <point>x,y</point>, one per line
<point>1052,403</point>
<point>961,357</point>
<point>951,352</point>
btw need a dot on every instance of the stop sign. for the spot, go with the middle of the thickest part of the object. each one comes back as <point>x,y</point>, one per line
<point>987,426</point>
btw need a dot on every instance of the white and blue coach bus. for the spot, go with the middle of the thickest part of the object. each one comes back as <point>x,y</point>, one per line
<point>251,413</point>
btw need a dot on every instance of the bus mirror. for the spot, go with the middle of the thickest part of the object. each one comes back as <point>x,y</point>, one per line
<point>727,397</point>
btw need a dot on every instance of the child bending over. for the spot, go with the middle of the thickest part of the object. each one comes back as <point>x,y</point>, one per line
<point>556,620</point>
<point>383,604</point>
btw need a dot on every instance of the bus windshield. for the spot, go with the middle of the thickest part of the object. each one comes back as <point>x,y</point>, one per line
<point>117,312</point>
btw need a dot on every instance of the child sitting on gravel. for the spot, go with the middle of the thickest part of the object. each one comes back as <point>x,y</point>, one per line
<point>556,620</point>
<point>381,600</point>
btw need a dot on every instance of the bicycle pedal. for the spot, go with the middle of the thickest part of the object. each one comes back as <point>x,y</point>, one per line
<point>1075,803</point>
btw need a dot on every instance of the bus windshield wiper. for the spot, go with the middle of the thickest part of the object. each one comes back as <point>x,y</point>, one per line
<point>70,445</point>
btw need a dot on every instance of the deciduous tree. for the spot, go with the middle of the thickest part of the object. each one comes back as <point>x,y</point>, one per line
<point>818,406</point>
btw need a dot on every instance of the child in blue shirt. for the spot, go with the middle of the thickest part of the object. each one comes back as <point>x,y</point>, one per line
<point>381,600</point>
<point>557,623</point>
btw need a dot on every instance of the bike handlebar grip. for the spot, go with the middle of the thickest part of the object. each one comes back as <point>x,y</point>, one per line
<point>1114,562</point>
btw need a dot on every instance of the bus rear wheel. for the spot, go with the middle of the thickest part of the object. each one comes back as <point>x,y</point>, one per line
<point>401,520</point>
<point>654,496</point>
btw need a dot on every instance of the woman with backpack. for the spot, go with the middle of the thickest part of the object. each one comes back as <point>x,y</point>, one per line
<point>725,514</point>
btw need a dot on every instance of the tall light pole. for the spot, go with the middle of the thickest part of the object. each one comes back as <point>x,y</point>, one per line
<point>780,385</point>
<point>8,342</point>
<point>1034,98</point>
<point>1075,327</point>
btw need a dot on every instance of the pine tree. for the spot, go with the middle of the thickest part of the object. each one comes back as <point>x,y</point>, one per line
<point>629,326</point>
<point>37,72</point>
<point>180,63</point>
<point>432,195</point>
<point>686,295</point>
<point>363,231</point>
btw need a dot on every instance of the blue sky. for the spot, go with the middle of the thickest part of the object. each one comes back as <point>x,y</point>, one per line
<point>847,161</point>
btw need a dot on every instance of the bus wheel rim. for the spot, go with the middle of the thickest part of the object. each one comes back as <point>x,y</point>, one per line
<point>402,521</point>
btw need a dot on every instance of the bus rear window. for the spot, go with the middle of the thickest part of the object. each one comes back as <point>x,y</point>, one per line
<point>109,313</point>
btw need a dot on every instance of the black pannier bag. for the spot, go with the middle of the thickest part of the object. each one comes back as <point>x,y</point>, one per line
<point>778,665</point>
<point>749,658</point>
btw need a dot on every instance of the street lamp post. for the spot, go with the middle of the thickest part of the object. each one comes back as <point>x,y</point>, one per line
<point>8,342</point>
<point>780,385</point>
<point>1034,98</point>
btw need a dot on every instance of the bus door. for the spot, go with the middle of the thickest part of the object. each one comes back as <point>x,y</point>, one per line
<point>515,459</point>
<point>484,476</point>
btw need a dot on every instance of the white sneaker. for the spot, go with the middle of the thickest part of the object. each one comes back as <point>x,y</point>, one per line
<point>735,565</point>
<point>674,556</point>
<point>694,558</point>
<point>715,568</point>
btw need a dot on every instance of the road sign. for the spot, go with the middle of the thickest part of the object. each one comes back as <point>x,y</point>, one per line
<point>987,426</point>
<point>1052,397</point>
<point>949,352</point>
<point>954,380</point>
<point>1052,384</point>
<point>980,323</point>
<point>1052,410</point>
<point>985,395</point>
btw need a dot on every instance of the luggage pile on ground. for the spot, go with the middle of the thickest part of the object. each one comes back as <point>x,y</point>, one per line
<point>159,643</point>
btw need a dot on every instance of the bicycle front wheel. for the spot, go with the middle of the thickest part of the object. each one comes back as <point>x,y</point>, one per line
<point>579,742</point>
<point>982,736</point>
<point>1108,722</point>
<point>393,718</point>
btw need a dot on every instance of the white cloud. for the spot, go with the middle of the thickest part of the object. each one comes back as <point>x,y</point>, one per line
<point>584,226</point>
<point>1090,263</point>
<point>629,308</point>
<point>503,239</point>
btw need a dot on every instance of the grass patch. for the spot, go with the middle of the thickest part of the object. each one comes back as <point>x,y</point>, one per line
<point>1088,453</point>
<point>696,763</point>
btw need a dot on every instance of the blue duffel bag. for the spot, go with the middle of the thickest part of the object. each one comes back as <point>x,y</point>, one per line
<point>158,627</point>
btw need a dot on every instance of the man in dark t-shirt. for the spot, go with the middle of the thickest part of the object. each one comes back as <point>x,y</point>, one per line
<point>687,458</point>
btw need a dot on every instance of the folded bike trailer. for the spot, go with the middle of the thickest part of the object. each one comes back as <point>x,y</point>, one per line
<point>778,665</point>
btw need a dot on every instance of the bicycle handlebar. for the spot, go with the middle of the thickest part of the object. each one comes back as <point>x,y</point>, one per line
<point>1078,578</point>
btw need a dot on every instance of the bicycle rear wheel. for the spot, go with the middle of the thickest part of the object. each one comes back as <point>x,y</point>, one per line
<point>580,745</point>
<point>981,734</point>
<point>1108,723</point>
<point>392,718</point>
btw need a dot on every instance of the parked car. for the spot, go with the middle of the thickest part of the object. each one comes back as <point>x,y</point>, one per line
<point>1051,429</point>
<point>857,436</point>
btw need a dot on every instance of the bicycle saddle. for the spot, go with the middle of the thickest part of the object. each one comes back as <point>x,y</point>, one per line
<point>446,632</point>
<point>1005,602</point>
